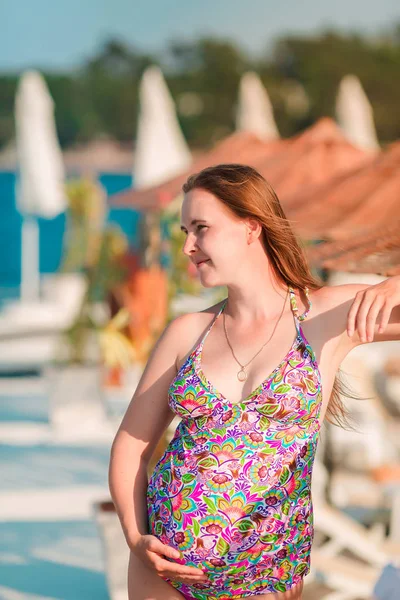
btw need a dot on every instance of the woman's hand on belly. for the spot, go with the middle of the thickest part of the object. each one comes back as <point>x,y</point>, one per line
<point>151,552</point>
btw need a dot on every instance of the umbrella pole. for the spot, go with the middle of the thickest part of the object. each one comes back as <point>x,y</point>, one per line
<point>30,277</point>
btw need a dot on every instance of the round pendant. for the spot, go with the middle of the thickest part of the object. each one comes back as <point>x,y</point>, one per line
<point>242,375</point>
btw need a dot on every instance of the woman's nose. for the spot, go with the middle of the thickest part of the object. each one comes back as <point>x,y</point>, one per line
<point>190,245</point>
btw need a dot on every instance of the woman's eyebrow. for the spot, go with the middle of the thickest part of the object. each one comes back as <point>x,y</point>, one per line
<point>194,223</point>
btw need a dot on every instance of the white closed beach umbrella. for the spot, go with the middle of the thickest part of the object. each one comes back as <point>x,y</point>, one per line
<point>161,150</point>
<point>254,112</point>
<point>354,114</point>
<point>40,183</point>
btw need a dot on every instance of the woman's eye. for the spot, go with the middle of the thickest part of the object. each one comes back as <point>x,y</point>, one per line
<point>197,228</point>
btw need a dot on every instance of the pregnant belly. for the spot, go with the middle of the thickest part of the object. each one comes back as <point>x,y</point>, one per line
<point>232,538</point>
<point>224,526</point>
<point>231,524</point>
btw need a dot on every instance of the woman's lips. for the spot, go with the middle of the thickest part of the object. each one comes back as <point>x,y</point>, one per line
<point>203,262</point>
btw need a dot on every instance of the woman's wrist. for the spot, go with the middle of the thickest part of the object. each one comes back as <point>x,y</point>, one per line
<point>132,538</point>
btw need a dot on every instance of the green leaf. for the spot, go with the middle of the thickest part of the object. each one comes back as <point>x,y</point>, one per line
<point>211,505</point>
<point>310,385</point>
<point>159,528</point>
<point>201,421</point>
<point>242,556</point>
<point>207,463</point>
<point>245,525</point>
<point>283,388</point>
<point>196,528</point>
<point>219,431</point>
<point>279,587</point>
<point>268,449</point>
<point>188,477</point>
<point>264,423</point>
<point>269,538</point>
<point>257,489</point>
<point>222,547</point>
<point>284,476</point>
<point>268,409</point>
<point>293,362</point>
<point>300,568</point>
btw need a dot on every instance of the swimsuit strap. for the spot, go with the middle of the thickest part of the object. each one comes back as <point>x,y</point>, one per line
<point>212,322</point>
<point>293,304</point>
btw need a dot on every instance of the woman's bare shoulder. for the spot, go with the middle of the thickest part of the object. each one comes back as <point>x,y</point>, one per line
<point>188,328</point>
<point>330,307</point>
<point>338,298</point>
<point>325,325</point>
<point>329,296</point>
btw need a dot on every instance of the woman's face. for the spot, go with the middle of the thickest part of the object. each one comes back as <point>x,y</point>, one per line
<point>216,240</point>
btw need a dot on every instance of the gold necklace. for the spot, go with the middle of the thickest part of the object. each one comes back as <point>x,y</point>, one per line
<point>242,374</point>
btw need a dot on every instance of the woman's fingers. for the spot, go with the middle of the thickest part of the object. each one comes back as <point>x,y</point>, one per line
<point>369,305</point>
<point>351,318</point>
<point>386,312</point>
<point>169,568</point>
<point>372,318</point>
<point>361,317</point>
<point>363,314</point>
<point>169,551</point>
<point>175,570</point>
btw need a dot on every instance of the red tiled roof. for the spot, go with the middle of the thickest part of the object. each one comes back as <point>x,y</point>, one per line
<point>310,158</point>
<point>240,147</point>
<point>352,203</point>
<point>377,251</point>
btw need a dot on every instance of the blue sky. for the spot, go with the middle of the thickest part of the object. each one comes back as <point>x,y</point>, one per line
<point>61,34</point>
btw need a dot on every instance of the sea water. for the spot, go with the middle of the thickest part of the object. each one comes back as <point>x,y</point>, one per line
<point>50,230</point>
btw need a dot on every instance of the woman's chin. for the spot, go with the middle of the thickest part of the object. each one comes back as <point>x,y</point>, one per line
<point>208,281</point>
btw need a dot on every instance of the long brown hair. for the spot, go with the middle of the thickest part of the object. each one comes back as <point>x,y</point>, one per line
<point>249,195</point>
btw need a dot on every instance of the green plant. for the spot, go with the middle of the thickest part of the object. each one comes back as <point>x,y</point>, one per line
<point>95,250</point>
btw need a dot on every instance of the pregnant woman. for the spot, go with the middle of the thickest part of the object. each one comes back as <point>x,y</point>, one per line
<point>227,512</point>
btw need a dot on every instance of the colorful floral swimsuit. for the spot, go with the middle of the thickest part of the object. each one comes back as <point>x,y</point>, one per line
<point>232,492</point>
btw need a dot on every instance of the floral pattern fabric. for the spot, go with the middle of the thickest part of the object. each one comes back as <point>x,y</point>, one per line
<point>232,491</point>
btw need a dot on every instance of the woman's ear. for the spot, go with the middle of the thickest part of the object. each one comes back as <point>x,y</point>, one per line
<point>254,230</point>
